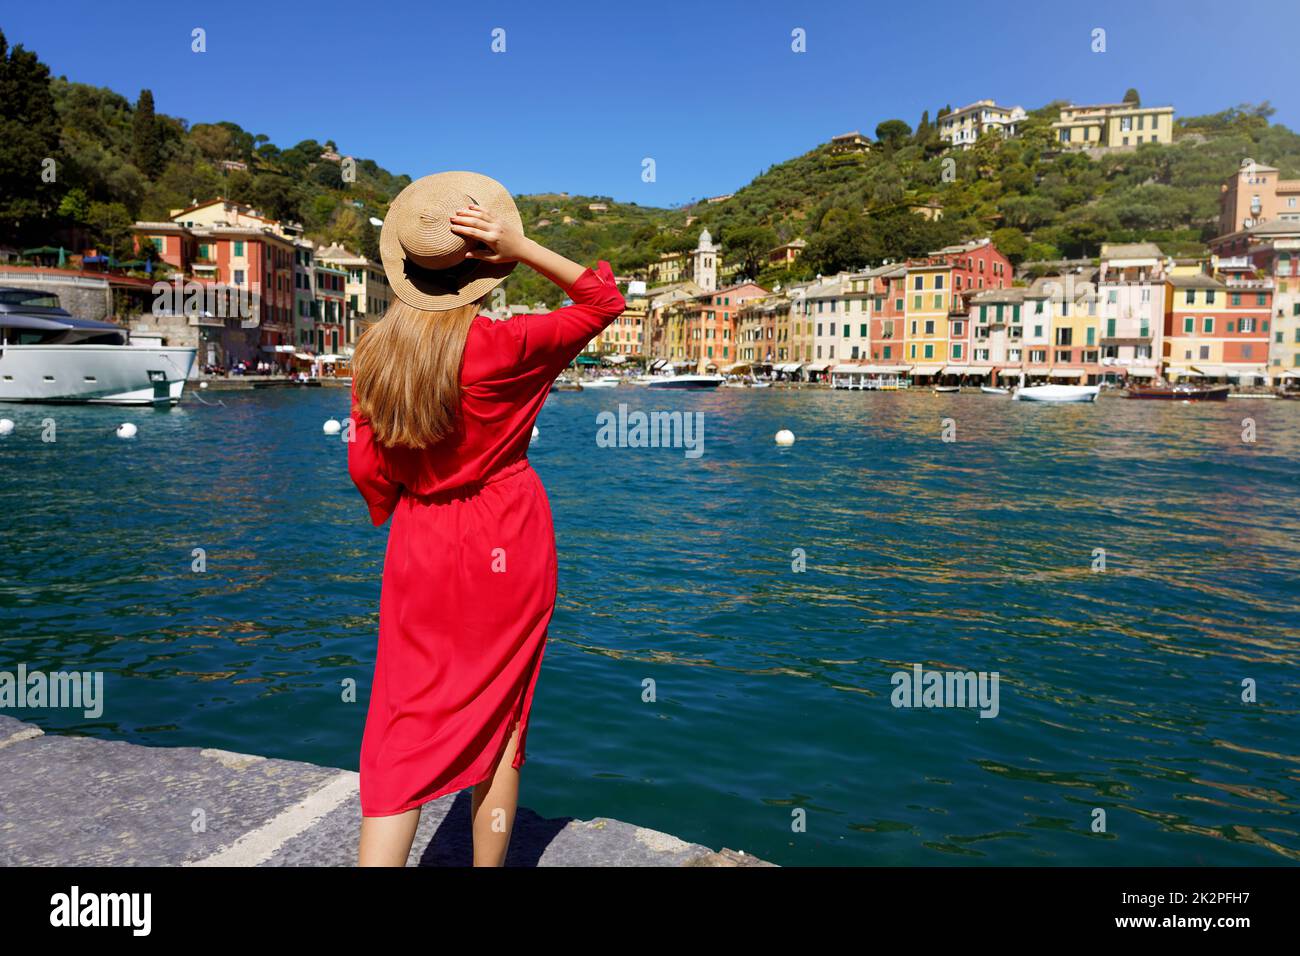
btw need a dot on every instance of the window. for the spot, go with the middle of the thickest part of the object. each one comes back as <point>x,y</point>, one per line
<point>1038,331</point>
<point>929,351</point>
<point>958,328</point>
<point>1236,298</point>
<point>1247,324</point>
<point>1092,335</point>
<point>1064,336</point>
<point>1189,324</point>
<point>938,282</point>
<point>916,303</point>
<point>1209,297</point>
<point>916,283</point>
<point>1190,297</point>
<point>1205,352</point>
<point>956,350</point>
<point>239,247</point>
<point>1110,328</point>
<point>929,327</point>
<point>1207,324</point>
<point>239,277</point>
<point>862,330</point>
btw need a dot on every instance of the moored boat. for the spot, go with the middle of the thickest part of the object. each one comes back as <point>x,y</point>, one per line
<point>1179,393</point>
<point>605,381</point>
<point>49,356</point>
<point>994,390</point>
<point>947,388</point>
<point>686,381</point>
<point>1056,393</point>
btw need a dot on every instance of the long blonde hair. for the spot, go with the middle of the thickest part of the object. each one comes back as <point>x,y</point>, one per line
<point>406,372</point>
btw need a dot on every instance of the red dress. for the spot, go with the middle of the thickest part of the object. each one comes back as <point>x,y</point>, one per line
<point>470,573</point>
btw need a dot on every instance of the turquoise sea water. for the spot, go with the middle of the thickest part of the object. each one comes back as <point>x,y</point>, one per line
<point>1119,689</point>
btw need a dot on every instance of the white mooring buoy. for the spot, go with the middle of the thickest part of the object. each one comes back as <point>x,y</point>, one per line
<point>785,437</point>
<point>126,430</point>
<point>6,426</point>
<point>332,427</point>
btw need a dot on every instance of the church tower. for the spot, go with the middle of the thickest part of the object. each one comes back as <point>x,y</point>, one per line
<point>704,263</point>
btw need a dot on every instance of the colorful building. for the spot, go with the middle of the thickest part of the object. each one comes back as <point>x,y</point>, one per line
<point>1131,293</point>
<point>1217,327</point>
<point>1254,195</point>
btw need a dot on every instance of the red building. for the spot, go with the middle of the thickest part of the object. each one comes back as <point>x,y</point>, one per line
<point>887,305</point>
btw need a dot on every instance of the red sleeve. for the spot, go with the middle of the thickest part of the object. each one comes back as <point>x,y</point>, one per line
<point>366,468</point>
<point>554,339</point>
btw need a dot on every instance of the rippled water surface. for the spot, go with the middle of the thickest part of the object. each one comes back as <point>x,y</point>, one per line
<point>1119,689</point>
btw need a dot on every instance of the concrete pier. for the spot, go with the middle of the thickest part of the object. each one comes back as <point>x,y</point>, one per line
<point>81,801</point>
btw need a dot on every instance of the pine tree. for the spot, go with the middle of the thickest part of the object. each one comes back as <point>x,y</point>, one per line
<point>29,141</point>
<point>146,138</point>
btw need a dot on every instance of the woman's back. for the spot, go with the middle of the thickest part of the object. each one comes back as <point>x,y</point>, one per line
<point>506,374</point>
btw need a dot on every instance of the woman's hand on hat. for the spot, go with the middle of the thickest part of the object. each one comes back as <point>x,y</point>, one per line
<point>501,242</point>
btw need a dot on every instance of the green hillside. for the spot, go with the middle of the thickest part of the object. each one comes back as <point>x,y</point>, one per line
<point>117,161</point>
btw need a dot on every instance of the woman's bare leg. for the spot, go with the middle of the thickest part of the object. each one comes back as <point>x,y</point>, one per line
<point>493,809</point>
<point>386,841</point>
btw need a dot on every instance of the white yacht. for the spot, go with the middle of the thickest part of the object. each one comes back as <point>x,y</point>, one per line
<point>1056,393</point>
<point>47,355</point>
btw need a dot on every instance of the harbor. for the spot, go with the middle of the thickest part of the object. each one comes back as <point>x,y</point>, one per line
<point>1124,565</point>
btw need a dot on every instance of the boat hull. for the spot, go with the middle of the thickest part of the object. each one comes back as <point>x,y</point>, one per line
<point>94,374</point>
<point>990,390</point>
<point>1213,394</point>
<point>1057,393</point>
<point>686,381</point>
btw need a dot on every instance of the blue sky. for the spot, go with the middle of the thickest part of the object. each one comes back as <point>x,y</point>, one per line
<point>711,91</point>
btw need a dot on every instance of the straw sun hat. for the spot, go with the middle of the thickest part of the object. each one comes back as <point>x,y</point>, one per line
<point>425,261</point>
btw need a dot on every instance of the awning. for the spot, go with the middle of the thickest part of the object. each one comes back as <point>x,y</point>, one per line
<point>790,367</point>
<point>1141,372</point>
<point>848,369</point>
<point>977,370</point>
<point>886,369</point>
<point>819,366</point>
<point>658,363</point>
<point>927,370</point>
<point>1011,373</point>
<point>615,359</point>
<point>737,367</point>
<point>1066,373</point>
<point>303,356</point>
<point>1254,371</point>
<point>585,359</point>
<point>1291,373</point>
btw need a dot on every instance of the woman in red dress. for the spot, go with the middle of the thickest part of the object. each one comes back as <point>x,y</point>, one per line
<point>444,403</point>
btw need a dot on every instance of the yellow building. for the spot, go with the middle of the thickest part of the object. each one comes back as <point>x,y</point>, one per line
<point>1112,125</point>
<point>925,316</point>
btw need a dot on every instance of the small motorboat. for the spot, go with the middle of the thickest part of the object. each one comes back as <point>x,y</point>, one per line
<point>605,381</point>
<point>994,390</point>
<point>564,385</point>
<point>686,381</point>
<point>1056,393</point>
<point>947,388</point>
<point>1179,393</point>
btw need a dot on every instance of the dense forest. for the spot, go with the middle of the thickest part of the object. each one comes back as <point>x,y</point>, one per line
<point>79,164</point>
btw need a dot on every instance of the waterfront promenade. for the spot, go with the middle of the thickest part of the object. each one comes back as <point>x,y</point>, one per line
<point>81,801</point>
